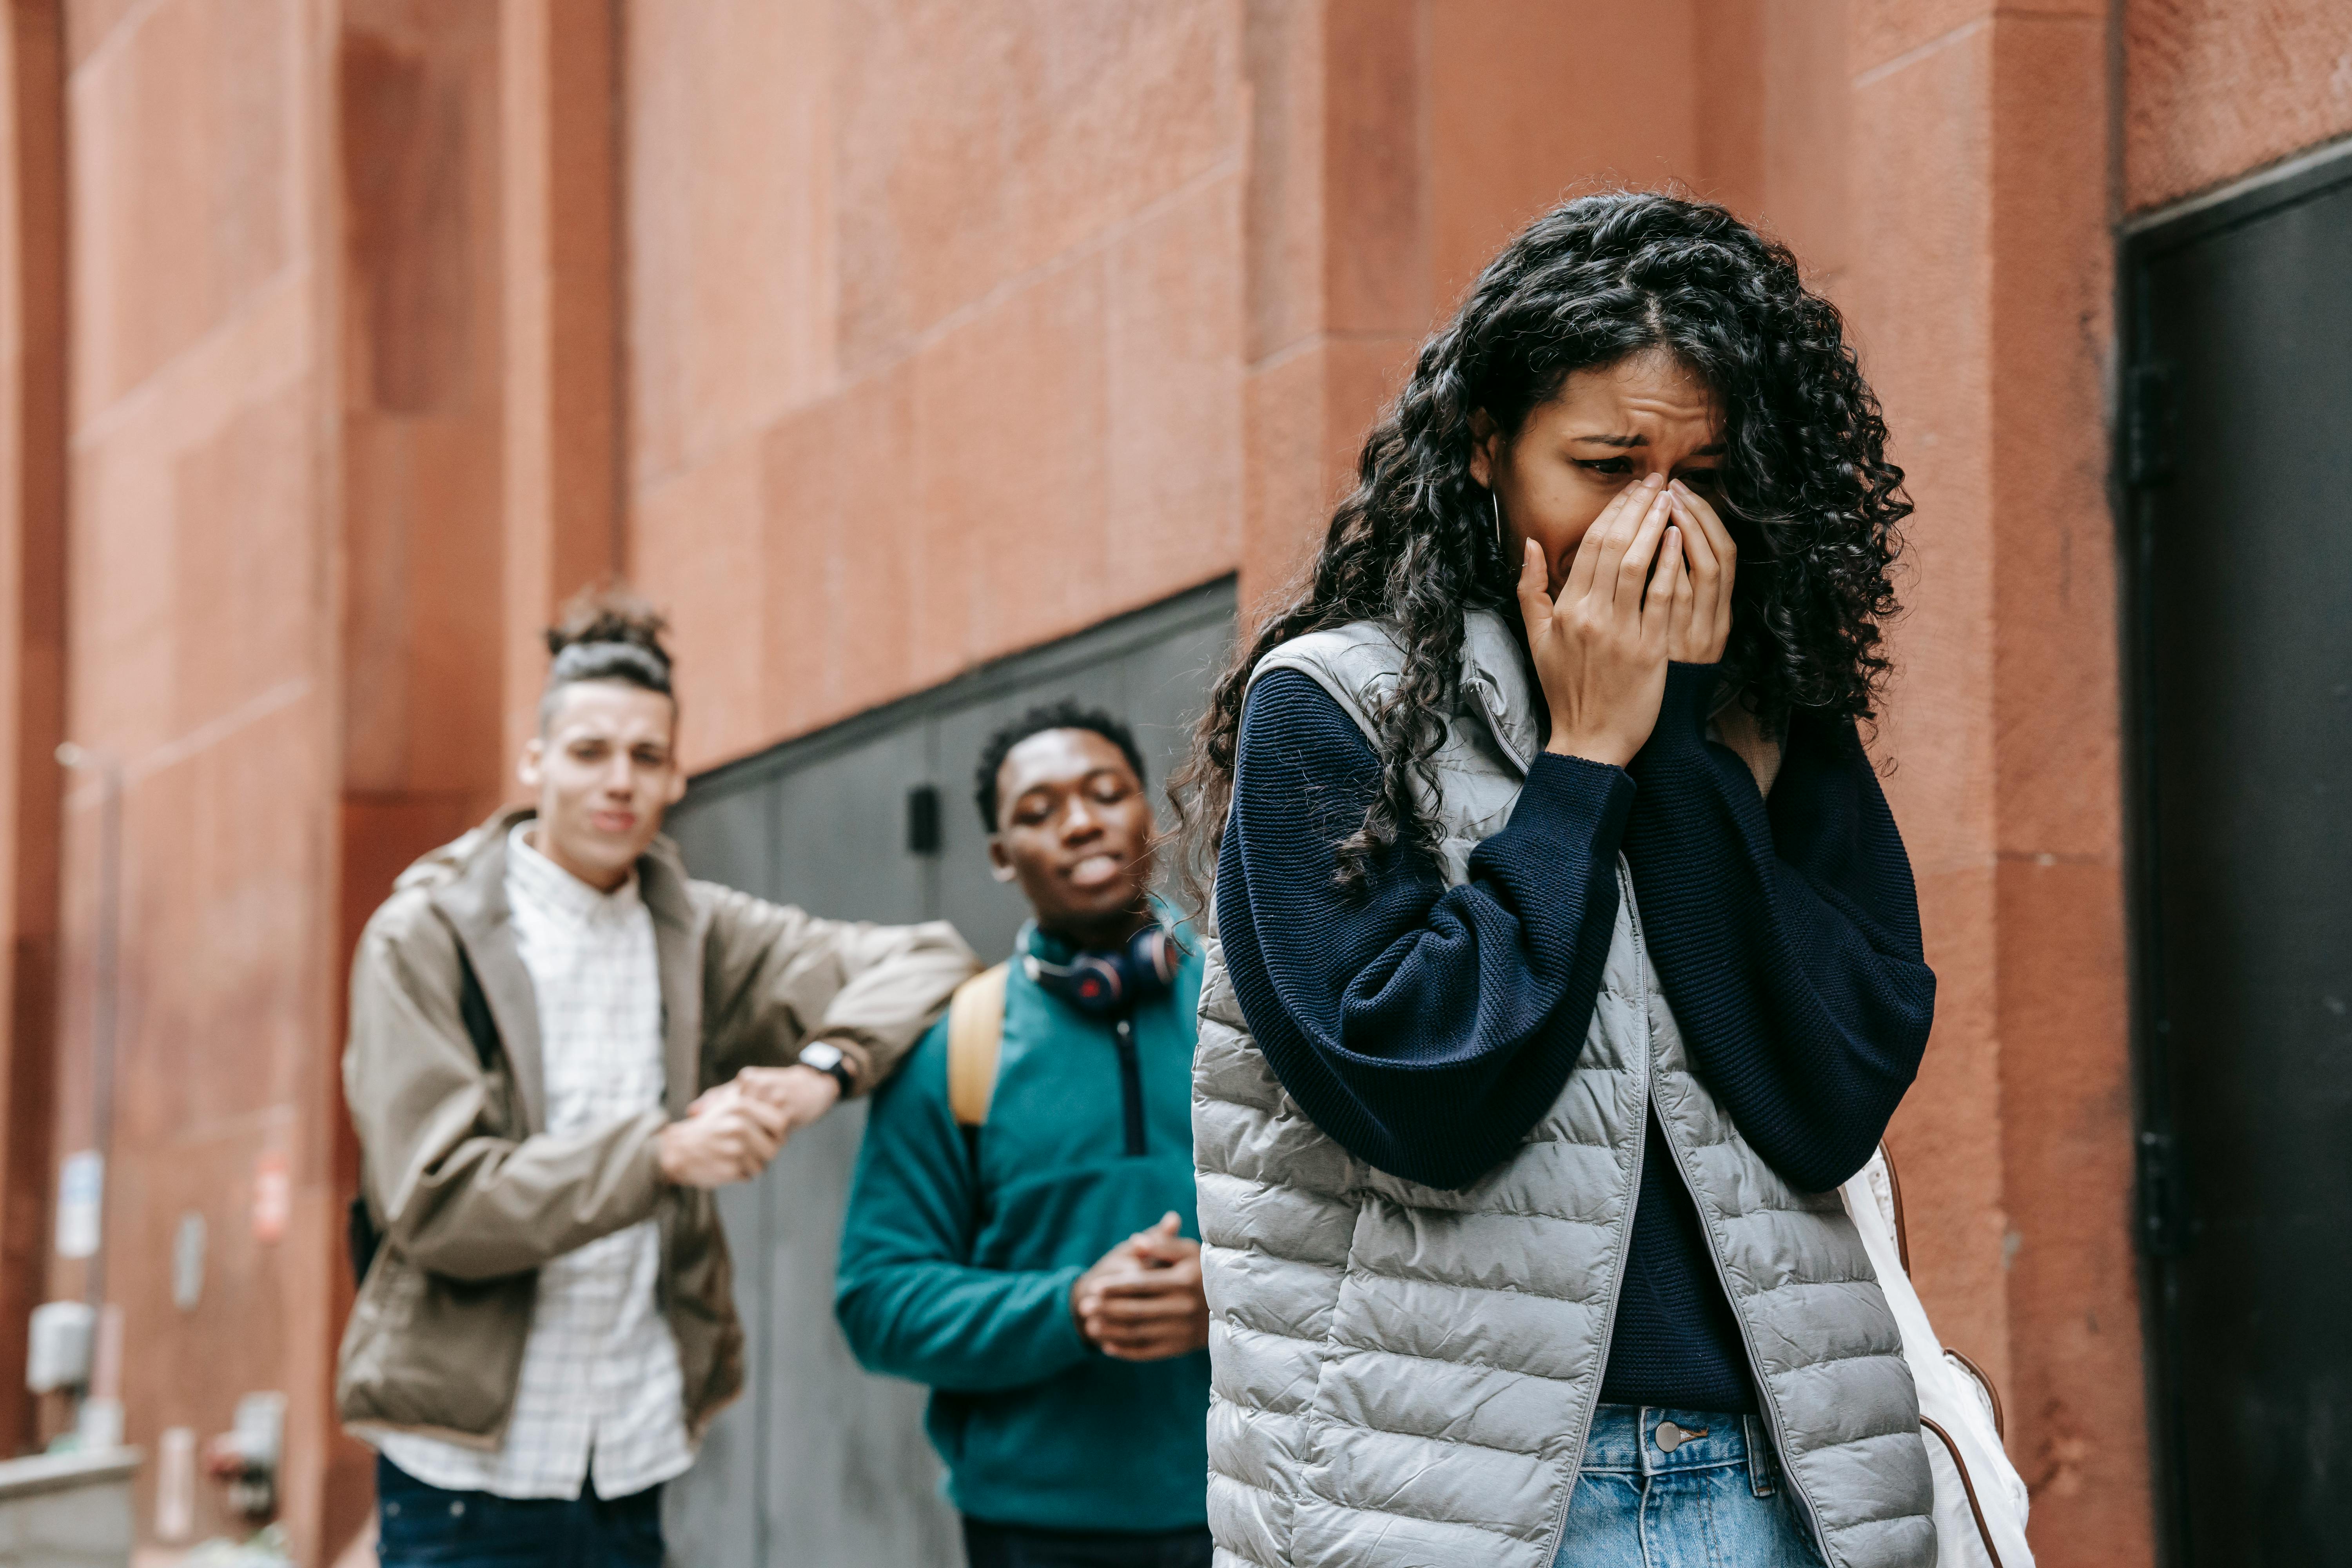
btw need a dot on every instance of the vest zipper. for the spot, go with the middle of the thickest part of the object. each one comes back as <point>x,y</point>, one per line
<point>1765,1398</point>
<point>1626,1232</point>
<point>1495,728</point>
<point>1131,1088</point>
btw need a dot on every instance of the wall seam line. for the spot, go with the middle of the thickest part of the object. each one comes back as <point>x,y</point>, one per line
<point>126,27</point>
<point>180,748</point>
<point>1919,52</point>
<point>293,278</point>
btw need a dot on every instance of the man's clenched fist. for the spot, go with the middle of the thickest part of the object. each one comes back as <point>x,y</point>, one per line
<point>729,1136</point>
<point>1143,1300</point>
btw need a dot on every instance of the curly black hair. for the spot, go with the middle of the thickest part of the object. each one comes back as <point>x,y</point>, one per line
<point>1065,714</point>
<point>1808,494</point>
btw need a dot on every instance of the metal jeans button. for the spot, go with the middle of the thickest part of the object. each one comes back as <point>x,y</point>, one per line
<point>1670,1436</point>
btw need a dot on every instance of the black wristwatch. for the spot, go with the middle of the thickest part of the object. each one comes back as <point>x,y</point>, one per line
<point>829,1059</point>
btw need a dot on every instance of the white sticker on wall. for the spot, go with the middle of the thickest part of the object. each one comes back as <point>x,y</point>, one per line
<point>81,1197</point>
<point>273,1196</point>
<point>188,1262</point>
<point>175,1484</point>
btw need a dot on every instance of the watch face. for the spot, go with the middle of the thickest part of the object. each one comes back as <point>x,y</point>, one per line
<point>824,1056</point>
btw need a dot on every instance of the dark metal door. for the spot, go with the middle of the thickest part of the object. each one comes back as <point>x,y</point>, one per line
<point>820,1465</point>
<point>2238,458</point>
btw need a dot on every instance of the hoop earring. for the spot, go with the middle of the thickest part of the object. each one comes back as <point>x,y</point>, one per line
<point>1496,498</point>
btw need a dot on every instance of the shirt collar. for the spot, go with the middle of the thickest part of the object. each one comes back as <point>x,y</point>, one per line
<point>553,888</point>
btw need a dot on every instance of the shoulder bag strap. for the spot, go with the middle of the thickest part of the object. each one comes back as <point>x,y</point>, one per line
<point>975,1038</point>
<point>361,1233</point>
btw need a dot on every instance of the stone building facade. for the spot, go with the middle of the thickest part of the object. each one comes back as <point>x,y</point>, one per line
<point>341,339</point>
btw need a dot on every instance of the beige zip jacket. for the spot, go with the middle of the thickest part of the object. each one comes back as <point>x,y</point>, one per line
<point>472,1194</point>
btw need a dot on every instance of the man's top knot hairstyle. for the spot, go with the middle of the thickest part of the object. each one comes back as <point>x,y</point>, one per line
<point>606,634</point>
<point>1063,715</point>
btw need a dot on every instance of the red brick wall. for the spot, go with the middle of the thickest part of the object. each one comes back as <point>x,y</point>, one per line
<point>2215,88</point>
<point>204,652</point>
<point>32,662</point>
<point>1980,280</point>
<point>934,335</point>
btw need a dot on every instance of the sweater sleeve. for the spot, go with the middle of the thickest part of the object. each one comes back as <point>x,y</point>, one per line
<point>907,1298</point>
<point>1787,933</point>
<point>1424,1028</point>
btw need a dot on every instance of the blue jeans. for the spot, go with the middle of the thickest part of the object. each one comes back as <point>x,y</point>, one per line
<point>1714,1500</point>
<point>421,1526</point>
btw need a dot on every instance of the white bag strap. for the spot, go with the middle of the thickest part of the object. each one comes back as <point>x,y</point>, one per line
<point>1894,1207</point>
<point>1980,1499</point>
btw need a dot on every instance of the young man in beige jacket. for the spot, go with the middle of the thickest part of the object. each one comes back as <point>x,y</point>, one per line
<point>559,1045</point>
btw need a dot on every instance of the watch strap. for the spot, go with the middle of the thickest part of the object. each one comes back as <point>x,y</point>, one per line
<point>838,1069</point>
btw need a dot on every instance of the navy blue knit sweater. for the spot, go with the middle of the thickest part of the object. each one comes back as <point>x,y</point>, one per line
<point>1428,1028</point>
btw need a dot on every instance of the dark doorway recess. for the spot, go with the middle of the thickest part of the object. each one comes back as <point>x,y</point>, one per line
<point>2237,465</point>
<point>820,1465</point>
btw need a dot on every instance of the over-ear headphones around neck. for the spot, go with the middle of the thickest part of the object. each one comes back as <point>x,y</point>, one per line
<point>1108,983</point>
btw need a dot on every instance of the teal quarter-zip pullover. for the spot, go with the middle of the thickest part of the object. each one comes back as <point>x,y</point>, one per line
<point>957,1255</point>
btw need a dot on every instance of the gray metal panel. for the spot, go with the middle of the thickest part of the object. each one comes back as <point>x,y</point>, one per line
<point>1167,682</point>
<point>841,831</point>
<point>850,1478</point>
<point>821,1466</point>
<point>710,1517</point>
<point>2241,325</point>
<point>727,837</point>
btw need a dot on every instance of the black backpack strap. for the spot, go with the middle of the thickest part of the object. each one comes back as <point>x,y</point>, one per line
<point>361,1236</point>
<point>473,1009</point>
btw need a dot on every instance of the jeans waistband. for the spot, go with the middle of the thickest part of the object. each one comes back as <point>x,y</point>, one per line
<point>1650,1440</point>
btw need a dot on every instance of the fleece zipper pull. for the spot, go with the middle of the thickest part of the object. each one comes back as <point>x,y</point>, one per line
<point>1130,1087</point>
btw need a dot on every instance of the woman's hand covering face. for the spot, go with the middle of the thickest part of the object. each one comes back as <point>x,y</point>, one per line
<point>1702,625</point>
<point>1600,647</point>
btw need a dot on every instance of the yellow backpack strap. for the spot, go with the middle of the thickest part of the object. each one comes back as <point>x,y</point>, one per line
<point>975,1035</point>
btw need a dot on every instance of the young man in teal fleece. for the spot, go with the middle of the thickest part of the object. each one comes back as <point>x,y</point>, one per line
<point>1040,1272</point>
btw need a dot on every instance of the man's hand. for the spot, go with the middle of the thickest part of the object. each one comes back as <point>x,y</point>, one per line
<point>1144,1301</point>
<point>726,1137</point>
<point>802,1094</point>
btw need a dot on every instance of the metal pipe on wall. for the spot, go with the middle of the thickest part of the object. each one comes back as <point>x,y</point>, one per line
<point>106,984</point>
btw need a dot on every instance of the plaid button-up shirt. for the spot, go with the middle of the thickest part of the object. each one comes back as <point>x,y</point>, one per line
<point>600,1390</point>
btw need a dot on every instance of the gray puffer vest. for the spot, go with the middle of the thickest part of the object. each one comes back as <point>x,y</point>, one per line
<point>1403,1376</point>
